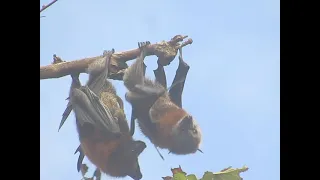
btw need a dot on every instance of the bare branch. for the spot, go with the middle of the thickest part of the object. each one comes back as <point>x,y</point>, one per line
<point>165,51</point>
<point>46,6</point>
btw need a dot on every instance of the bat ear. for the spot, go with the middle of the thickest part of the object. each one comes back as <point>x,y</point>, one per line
<point>138,147</point>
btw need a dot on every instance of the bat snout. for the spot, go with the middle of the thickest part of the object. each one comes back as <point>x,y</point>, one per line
<point>139,147</point>
<point>136,176</point>
<point>135,173</point>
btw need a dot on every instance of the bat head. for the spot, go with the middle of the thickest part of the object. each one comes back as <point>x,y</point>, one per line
<point>133,151</point>
<point>135,172</point>
<point>128,155</point>
<point>186,136</point>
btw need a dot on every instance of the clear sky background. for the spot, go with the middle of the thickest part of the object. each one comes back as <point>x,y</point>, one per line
<point>232,89</point>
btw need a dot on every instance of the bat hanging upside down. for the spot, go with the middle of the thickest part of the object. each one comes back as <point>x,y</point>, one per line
<point>101,124</point>
<point>159,112</point>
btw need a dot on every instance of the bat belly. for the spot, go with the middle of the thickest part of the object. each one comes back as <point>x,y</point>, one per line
<point>98,152</point>
<point>93,153</point>
<point>166,123</point>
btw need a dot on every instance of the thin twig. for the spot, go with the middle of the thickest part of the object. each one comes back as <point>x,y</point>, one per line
<point>46,6</point>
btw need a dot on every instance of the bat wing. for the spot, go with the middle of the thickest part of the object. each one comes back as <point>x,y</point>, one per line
<point>89,109</point>
<point>98,84</point>
<point>178,83</point>
<point>160,75</point>
<point>65,114</point>
<point>75,84</point>
<point>149,92</point>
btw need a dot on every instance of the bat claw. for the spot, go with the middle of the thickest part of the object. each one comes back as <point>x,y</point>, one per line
<point>75,77</point>
<point>142,46</point>
<point>108,52</point>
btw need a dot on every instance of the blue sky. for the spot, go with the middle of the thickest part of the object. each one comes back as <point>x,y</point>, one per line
<point>233,86</point>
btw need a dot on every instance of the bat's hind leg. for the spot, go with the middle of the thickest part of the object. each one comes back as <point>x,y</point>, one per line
<point>141,46</point>
<point>160,75</point>
<point>179,80</point>
<point>142,90</point>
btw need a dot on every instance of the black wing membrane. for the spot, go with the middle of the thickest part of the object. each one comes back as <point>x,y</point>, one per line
<point>149,92</point>
<point>176,89</point>
<point>89,109</point>
<point>160,75</point>
<point>65,115</point>
<point>75,84</point>
<point>178,82</point>
<point>97,85</point>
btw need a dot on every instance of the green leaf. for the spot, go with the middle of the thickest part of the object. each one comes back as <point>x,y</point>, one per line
<point>167,178</point>
<point>191,177</point>
<point>226,174</point>
<point>179,176</point>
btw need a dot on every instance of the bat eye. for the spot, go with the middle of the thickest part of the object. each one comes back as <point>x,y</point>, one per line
<point>195,131</point>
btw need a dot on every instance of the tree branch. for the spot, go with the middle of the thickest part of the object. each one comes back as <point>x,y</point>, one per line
<point>46,6</point>
<point>165,51</point>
